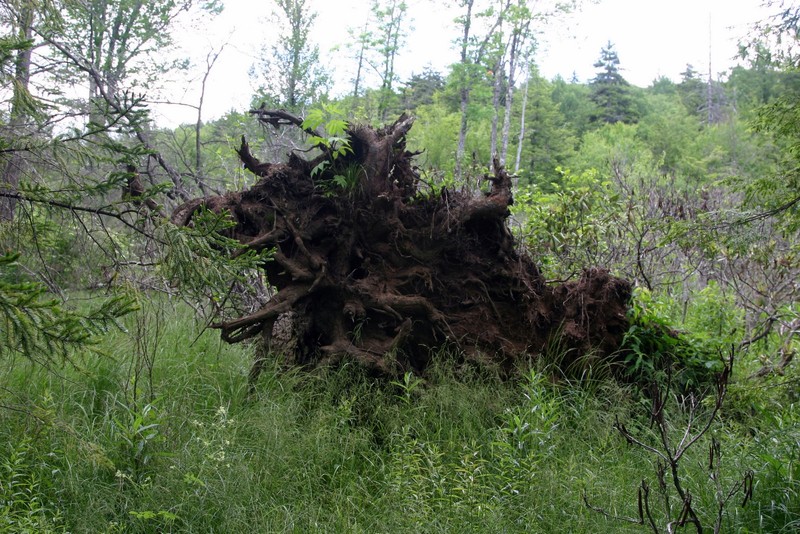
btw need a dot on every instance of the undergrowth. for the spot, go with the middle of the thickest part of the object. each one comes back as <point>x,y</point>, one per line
<point>163,437</point>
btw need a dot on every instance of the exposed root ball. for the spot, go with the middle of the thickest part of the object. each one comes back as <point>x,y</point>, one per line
<point>369,269</point>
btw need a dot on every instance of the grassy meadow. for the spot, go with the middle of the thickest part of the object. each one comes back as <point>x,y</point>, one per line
<point>155,432</point>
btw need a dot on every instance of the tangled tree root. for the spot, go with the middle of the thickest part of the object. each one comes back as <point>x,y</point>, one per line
<point>369,268</point>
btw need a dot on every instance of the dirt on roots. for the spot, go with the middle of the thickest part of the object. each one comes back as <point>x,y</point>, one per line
<point>368,268</point>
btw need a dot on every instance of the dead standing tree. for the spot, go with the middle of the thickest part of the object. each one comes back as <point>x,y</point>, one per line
<point>371,269</point>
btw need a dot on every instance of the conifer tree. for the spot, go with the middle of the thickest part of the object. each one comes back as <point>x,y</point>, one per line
<point>550,141</point>
<point>691,90</point>
<point>15,71</point>
<point>611,93</point>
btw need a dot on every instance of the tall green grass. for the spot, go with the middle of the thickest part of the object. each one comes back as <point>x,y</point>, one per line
<point>113,447</point>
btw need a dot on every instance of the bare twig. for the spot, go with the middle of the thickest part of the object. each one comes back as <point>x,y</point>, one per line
<point>669,458</point>
<point>615,517</point>
<point>103,211</point>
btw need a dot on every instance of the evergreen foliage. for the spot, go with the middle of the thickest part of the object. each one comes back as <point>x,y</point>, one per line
<point>420,89</point>
<point>575,105</point>
<point>692,90</point>
<point>38,327</point>
<point>550,141</point>
<point>611,93</point>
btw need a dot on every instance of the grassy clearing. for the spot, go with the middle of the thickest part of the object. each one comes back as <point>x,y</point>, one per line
<point>112,447</point>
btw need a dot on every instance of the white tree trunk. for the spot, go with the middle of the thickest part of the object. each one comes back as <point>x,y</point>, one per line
<point>521,137</point>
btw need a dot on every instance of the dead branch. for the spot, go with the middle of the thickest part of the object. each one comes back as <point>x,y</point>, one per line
<point>669,458</point>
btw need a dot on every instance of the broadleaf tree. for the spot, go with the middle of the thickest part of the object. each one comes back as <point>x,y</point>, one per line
<point>290,70</point>
<point>526,19</point>
<point>477,24</point>
<point>779,118</point>
<point>390,19</point>
<point>116,50</point>
<point>120,40</point>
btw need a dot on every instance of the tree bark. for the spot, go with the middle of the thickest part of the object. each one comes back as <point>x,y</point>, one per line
<point>464,89</point>
<point>496,89</point>
<point>521,138</point>
<point>513,50</point>
<point>13,168</point>
<point>466,65</point>
<point>199,172</point>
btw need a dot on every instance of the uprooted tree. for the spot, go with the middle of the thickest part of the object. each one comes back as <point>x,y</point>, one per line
<point>372,265</point>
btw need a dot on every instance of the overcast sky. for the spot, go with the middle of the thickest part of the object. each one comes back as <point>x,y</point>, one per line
<point>652,38</point>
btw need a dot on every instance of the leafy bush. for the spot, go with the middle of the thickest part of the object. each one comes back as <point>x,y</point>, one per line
<point>654,351</point>
<point>571,227</point>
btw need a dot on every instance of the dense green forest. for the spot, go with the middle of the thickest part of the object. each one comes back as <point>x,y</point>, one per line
<point>122,411</point>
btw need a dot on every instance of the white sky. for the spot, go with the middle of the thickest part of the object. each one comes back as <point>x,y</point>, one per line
<point>651,37</point>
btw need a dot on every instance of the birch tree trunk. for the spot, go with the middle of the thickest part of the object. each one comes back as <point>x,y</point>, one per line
<point>464,90</point>
<point>521,137</point>
<point>498,82</point>
<point>512,57</point>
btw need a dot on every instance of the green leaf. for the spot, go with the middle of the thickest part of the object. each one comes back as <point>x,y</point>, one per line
<point>319,141</point>
<point>314,119</point>
<point>319,168</point>
<point>336,127</point>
